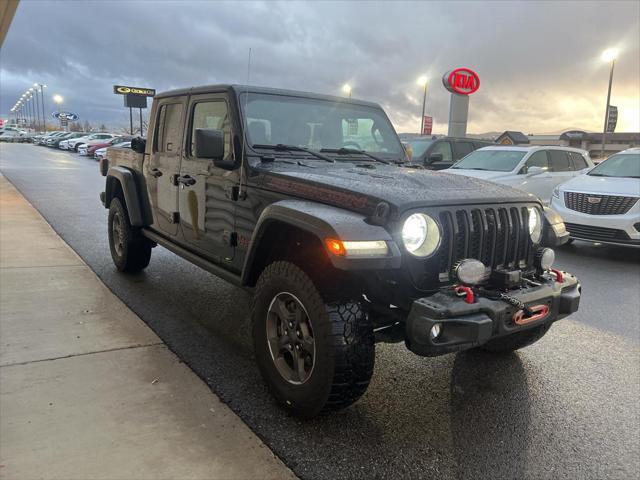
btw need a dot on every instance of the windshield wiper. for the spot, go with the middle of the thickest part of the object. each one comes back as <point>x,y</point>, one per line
<point>598,175</point>
<point>472,168</point>
<point>347,151</point>
<point>294,148</point>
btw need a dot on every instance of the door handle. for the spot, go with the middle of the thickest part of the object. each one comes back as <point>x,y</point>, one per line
<point>186,180</point>
<point>155,173</point>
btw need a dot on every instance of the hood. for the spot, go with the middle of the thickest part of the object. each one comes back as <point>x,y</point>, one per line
<point>603,185</point>
<point>362,186</point>
<point>484,174</point>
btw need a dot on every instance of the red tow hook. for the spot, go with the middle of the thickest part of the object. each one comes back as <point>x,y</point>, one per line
<point>466,291</point>
<point>558,274</point>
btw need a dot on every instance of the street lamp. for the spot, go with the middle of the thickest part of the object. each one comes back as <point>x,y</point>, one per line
<point>44,119</point>
<point>422,81</point>
<point>608,55</point>
<point>58,100</point>
<point>346,88</point>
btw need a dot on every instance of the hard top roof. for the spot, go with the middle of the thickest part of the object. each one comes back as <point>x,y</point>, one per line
<point>238,89</point>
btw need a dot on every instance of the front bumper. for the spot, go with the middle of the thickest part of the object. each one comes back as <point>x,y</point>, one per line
<point>611,229</point>
<point>467,325</point>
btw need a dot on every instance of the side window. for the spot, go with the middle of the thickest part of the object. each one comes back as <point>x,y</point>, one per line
<point>168,128</point>
<point>213,114</point>
<point>559,161</point>
<point>579,162</point>
<point>462,149</point>
<point>445,149</point>
<point>537,159</point>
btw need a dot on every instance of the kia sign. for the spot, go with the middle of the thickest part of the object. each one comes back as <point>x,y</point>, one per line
<point>65,116</point>
<point>144,92</point>
<point>462,81</point>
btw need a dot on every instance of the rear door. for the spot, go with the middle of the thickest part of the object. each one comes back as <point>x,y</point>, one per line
<point>462,148</point>
<point>162,166</point>
<point>207,204</point>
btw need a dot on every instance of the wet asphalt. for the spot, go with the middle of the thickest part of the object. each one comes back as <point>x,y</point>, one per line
<point>567,406</point>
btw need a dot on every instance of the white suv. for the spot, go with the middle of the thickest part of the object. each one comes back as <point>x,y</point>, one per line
<point>536,170</point>
<point>75,143</point>
<point>604,205</point>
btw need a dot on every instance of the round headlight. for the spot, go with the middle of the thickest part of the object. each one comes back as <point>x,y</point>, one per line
<point>420,235</point>
<point>470,271</point>
<point>535,225</point>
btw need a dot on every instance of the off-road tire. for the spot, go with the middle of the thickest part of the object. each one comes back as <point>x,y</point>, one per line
<point>515,341</point>
<point>134,252</point>
<point>344,344</point>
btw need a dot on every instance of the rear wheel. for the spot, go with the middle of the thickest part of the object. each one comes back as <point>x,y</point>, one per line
<point>130,250</point>
<point>315,355</point>
<point>516,340</point>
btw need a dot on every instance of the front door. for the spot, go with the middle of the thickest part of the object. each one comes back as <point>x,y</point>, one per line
<point>163,165</point>
<point>207,203</point>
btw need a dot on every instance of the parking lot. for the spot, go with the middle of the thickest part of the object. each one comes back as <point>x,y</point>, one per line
<point>565,407</point>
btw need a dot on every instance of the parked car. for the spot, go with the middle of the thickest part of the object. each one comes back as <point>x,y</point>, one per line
<point>537,170</point>
<point>93,147</point>
<point>90,147</point>
<point>603,205</point>
<point>338,240</point>
<point>101,153</point>
<point>45,138</point>
<point>14,136</point>
<point>75,143</point>
<point>438,153</point>
<point>55,141</point>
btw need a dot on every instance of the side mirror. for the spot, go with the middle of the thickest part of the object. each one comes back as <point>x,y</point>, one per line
<point>210,144</point>
<point>435,157</point>
<point>533,171</point>
<point>138,144</point>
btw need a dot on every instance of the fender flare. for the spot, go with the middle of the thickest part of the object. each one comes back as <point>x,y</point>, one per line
<point>324,221</point>
<point>132,197</point>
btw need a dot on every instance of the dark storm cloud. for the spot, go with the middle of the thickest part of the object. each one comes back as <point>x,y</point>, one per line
<point>538,61</point>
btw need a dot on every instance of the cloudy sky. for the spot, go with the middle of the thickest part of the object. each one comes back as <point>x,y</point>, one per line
<point>539,62</point>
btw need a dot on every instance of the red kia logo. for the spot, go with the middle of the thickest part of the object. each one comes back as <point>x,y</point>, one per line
<point>462,81</point>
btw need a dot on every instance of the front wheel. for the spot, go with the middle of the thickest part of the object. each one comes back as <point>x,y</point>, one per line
<point>517,340</point>
<point>314,355</point>
<point>130,251</point>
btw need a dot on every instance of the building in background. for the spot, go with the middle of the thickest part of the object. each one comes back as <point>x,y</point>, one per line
<point>591,142</point>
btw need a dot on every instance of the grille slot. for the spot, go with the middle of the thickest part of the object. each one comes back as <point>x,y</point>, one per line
<point>593,204</point>
<point>498,237</point>
<point>596,233</point>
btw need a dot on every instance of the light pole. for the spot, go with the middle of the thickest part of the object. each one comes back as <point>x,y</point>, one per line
<point>34,89</point>
<point>346,88</point>
<point>608,55</point>
<point>422,81</point>
<point>44,118</point>
<point>58,100</point>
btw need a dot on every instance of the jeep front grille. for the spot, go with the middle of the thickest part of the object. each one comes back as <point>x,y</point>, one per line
<point>593,204</point>
<point>499,237</point>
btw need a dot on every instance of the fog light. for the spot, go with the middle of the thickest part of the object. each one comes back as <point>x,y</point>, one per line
<point>470,271</point>
<point>545,258</point>
<point>436,330</point>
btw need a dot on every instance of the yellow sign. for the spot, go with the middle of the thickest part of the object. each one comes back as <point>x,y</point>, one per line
<point>122,90</point>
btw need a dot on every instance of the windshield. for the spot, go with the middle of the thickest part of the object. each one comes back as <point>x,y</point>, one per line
<point>318,124</point>
<point>418,147</point>
<point>492,160</point>
<point>620,165</point>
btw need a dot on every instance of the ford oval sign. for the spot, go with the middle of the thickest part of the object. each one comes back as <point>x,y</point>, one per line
<point>65,115</point>
<point>462,81</point>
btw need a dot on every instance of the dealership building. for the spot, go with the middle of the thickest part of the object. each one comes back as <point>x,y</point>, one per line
<point>591,142</point>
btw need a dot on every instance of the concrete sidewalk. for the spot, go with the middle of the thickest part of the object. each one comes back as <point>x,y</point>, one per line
<point>87,390</point>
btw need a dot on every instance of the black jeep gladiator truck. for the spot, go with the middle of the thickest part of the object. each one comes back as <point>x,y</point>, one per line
<point>311,203</point>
